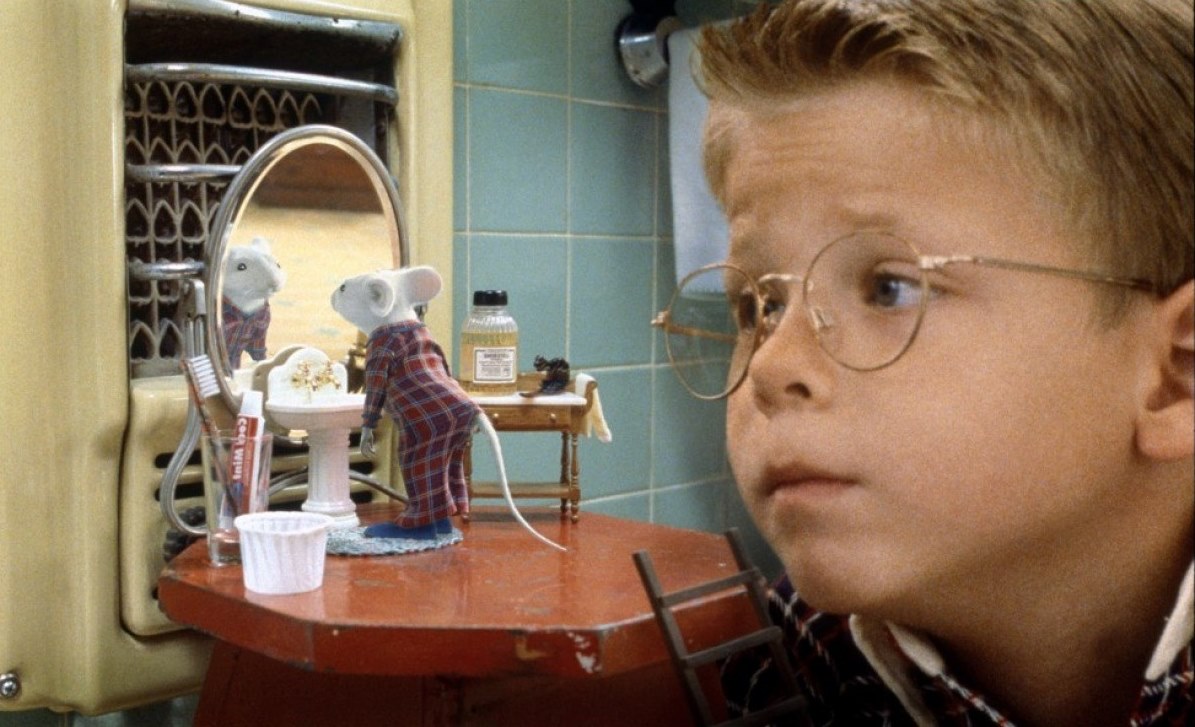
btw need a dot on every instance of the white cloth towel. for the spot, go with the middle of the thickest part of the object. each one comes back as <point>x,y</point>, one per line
<point>699,229</point>
<point>595,421</point>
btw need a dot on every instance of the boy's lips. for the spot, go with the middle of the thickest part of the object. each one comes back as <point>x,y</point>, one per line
<point>801,478</point>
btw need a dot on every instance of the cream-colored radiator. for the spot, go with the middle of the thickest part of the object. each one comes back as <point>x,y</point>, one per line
<point>91,406</point>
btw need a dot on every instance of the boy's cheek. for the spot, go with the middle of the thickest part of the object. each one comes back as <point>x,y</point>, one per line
<point>739,444</point>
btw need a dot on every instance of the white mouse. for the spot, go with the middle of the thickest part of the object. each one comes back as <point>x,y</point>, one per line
<point>406,375</point>
<point>251,276</point>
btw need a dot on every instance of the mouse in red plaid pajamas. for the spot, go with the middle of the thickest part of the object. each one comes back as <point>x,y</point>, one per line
<point>251,275</point>
<point>407,376</point>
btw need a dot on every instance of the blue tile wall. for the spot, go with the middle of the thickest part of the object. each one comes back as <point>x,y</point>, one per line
<point>562,199</point>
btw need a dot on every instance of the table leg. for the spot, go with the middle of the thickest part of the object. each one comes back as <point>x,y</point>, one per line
<point>574,485</point>
<point>564,471</point>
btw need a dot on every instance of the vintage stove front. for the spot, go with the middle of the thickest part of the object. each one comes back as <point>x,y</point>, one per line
<point>135,115</point>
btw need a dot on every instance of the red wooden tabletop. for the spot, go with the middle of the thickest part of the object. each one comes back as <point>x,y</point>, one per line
<point>498,604</point>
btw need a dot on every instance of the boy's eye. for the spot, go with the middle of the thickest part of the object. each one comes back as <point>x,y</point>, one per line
<point>773,308</point>
<point>888,290</point>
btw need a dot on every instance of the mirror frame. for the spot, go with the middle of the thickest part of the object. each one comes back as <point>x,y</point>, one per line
<point>240,192</point>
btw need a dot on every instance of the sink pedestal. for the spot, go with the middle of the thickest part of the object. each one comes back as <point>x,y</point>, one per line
<point>328,477</point>
<point>327,423</point>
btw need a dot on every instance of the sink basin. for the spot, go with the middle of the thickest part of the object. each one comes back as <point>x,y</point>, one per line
<point>340,411</point>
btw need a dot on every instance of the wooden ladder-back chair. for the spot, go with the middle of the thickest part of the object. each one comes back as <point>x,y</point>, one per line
<point>687,663</point>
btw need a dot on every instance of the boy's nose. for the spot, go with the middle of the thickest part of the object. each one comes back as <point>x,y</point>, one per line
<point>789,367</point>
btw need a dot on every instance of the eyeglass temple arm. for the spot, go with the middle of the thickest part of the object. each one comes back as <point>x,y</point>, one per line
<point>663,322</point>
<point>936,262</point>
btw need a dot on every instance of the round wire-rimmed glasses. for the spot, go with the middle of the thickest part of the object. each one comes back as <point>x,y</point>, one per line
<point>865,296</point>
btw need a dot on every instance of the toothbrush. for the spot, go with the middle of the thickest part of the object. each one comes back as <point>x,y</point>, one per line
<point>202,383</point>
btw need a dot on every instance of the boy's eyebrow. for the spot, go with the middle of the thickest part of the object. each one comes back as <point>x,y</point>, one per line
<point>866,217</point>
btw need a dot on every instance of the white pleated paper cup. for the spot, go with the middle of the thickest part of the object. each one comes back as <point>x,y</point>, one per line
<point>283,552</point>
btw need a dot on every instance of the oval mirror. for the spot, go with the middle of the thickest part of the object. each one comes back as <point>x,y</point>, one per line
<point>313,206</point>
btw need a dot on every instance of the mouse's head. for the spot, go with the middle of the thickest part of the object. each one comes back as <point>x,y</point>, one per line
<point>252,275</point>
<point>387,296</point>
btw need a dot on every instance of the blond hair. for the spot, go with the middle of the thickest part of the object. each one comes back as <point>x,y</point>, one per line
<point>1097,92</point>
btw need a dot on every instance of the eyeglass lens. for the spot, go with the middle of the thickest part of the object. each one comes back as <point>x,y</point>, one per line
<point>703,332</point>
<point>864,296</point>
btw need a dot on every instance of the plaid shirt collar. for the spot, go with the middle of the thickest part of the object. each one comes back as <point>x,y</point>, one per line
<point>391,331</point>
<point>895,651</point>
<point>231,313</point>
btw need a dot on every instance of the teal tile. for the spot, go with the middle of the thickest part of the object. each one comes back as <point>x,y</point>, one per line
<point>613,177</point>
<point>696,507</point>
<point>628,507</point>
<point>517,162</point>
<point>597,70</point>
<point>532,272</point>
<point>623,464</point>
<point>460,159</point>
<point>528,457</point>
<point>460,40</point>
<point>665,287</point>
<point>611,302</point>
<point>664,174</point>
<point>689,441</point>
<point>518,44</point>
<point>523,177</point>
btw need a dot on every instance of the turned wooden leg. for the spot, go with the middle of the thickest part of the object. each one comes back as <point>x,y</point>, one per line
<point>564,471</point>
<point>574,485</point>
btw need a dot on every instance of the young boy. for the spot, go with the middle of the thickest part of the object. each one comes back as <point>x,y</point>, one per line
<point>961,397</point>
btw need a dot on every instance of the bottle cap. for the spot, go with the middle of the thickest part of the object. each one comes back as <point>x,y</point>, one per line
<point>251,403</point>
<point>489,297</point>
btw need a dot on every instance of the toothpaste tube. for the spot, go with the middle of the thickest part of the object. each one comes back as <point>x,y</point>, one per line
<point>245,459</point>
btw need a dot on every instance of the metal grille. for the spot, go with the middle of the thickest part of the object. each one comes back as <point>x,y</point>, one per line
<point>181,123</point>
<point>189,126</point>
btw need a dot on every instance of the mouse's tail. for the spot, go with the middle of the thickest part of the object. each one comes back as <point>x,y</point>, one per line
<point>488,427</point>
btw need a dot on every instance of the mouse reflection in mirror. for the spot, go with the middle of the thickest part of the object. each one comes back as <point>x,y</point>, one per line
<point>407,376</point>
<point>251,275</point>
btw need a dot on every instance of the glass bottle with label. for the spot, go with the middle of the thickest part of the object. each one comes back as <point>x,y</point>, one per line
<point>489,346</point>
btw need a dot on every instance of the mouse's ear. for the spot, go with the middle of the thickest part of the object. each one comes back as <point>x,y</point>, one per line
<point>421,284</point>
<point>261,243</point>
<point>380,290</point>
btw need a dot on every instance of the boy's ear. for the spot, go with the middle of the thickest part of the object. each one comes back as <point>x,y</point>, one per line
<point>1166,425</point>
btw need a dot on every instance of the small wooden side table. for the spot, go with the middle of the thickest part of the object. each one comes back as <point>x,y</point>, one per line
<point>564,413</point>
<point>496,631</point>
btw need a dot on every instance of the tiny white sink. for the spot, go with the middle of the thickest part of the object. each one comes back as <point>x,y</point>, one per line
<point>338,411</point>
<point>308,393</point>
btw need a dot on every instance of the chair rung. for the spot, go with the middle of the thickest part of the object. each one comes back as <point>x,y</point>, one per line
<point>688,594</point>
<point>726,648</point>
